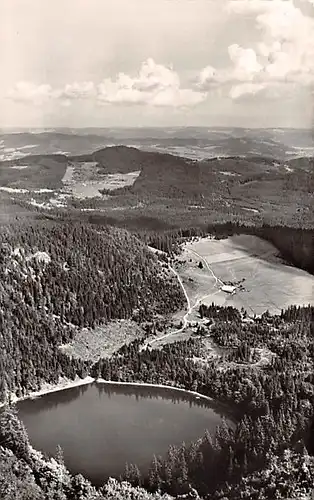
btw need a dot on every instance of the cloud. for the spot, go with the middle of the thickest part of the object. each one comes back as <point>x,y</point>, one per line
<point>287,46</point>
<point>243,70</point>
<point>245,89</point>
<point>154,85</point>
<point>284,55</point>
<point>276,8</point>
<point>27,92</point>
<point>77,90</point>
<point>210,78</point>
<point>245,63</point>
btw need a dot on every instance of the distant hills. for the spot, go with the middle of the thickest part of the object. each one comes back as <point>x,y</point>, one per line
<point>172,190</point>
<point>158,170</point>
<point>193,142</point>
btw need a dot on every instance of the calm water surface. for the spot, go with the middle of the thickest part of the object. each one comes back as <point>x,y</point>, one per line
<point>100,427</point>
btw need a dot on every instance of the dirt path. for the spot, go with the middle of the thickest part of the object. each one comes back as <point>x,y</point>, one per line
<point>217,280</point>
<point>185,317</point>
<point>190,307</point>
<point>214,287</point>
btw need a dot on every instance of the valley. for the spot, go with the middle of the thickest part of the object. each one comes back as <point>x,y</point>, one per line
<point>128,186</point>
<point>259,281</point>
<point>139,268</point>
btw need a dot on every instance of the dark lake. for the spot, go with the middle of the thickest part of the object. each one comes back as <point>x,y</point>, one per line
<point>100,427</point>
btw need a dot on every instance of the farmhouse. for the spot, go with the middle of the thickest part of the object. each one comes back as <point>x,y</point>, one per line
<point>228,288</point>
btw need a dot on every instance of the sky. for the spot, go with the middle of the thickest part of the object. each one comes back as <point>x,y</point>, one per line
<point>136,63</point>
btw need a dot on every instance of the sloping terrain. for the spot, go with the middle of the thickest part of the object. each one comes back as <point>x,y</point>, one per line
<point>117,159</point>
<point>31,172</point>
<point>260,279</point>
<point>191,142</point>
<point>144,191</point>
<point>60,278</point>
<point>169,176</point>
<point>57,278</point>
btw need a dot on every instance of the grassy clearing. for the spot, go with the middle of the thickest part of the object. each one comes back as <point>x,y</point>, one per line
<point>268,282</point>
<point>102,341</point>
<point>86,180</point>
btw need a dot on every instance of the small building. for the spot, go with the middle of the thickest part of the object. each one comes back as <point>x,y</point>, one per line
<point>228,288</point>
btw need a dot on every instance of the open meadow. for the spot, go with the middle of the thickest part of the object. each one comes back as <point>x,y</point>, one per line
<point>261,279</point>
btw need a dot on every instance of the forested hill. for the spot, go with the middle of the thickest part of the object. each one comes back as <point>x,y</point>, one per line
<point>169,188</point>
<point>124,159</point>
<point>54,276</point>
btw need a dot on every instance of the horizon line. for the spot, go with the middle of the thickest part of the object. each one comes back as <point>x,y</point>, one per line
<point>159,127</point>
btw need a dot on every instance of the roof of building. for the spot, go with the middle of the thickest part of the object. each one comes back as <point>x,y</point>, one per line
<point>228,288</point>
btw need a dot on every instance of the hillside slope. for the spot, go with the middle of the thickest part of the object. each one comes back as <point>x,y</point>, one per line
<point>55,277</point>
<point>170,191</point>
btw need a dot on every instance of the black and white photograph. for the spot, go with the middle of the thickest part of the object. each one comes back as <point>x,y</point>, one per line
<point>157,250</point>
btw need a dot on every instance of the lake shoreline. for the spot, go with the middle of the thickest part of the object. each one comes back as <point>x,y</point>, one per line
<point>198,395</point>
<point>133,421</point>
<point>223,408</point>
<point>50,388</point>
<point>220,407</point>
<point>69,384</point>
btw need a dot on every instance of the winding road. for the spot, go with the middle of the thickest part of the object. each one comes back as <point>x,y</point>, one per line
<point>217,280</point>
<point>264,355</point>
<point>190,307</point>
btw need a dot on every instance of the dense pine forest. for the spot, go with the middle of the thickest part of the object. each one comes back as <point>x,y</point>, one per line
<point>265,455</point>
<point>273,404</point>
<point>295,245</point>
<point>59,276</point>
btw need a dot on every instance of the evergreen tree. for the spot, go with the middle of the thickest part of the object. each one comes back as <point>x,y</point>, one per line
<point>154,474</point>
<point>13,434</point>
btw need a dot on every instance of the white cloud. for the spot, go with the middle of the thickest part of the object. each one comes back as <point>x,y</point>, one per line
<point>31,93</point>
<point>288,39</point>
<point>245,63</point>
<point>79,77</point>
<point>248,88</point>
<point>247,7</point>
<point>155,85</point>
<point>209,78</point>
<point>244,68</point>
<point>284,55</point>
<point>78,90</point>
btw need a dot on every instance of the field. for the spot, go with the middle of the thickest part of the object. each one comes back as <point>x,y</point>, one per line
<point>144,190</point>
<point>263,281</point>
<point>102,341</point>
<point>86,180</point>
<point>29,178</point>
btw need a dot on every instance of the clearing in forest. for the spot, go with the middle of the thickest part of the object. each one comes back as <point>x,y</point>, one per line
<point>86,180</point>
<point>261,279</point>
<point>102,341</point>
